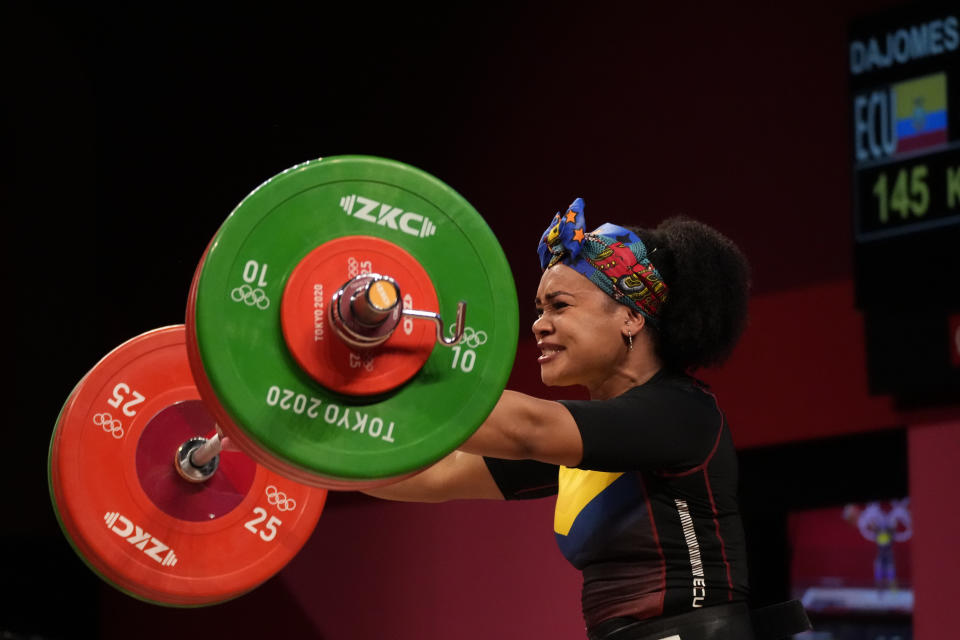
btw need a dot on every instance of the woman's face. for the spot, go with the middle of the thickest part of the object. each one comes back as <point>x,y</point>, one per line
<point>579,330</point>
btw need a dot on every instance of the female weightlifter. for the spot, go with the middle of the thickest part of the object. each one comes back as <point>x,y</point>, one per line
<point>645,471</point>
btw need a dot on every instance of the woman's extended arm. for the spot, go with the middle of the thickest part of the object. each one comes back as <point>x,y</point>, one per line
<point>523,427</point>
<point>520,427</point>
<point>458,476</point>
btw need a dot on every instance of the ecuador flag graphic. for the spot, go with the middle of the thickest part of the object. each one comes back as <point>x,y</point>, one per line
<point>921,112</point>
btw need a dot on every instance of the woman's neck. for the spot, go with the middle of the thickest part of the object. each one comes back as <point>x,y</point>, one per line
<point>630,375</point>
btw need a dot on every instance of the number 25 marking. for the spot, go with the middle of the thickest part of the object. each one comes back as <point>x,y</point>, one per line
<point>271,525</point>
<point>120,393</point>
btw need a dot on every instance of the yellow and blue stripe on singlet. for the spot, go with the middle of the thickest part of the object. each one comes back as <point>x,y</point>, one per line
<point>587,502</point>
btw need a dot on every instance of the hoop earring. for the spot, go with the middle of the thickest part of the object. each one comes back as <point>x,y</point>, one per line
<point>629,341</point>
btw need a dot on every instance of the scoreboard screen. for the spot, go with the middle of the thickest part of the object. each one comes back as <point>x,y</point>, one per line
<point>904,83</point>
<point>907,170</point>
<point>904,78</point>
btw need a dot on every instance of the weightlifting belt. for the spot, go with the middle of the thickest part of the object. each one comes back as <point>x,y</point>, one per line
<point>726,622</point>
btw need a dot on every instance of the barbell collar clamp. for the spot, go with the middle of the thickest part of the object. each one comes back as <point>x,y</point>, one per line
<point>197,459</point>
<point>365,312</point>
<point>459,324</point>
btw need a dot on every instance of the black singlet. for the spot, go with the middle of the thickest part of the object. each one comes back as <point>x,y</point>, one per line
<point>650,515</point>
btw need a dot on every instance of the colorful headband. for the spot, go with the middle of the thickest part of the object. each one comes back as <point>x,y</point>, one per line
<point>613,258</point>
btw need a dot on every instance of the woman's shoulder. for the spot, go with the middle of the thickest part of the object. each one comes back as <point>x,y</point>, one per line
<point>675,389</point>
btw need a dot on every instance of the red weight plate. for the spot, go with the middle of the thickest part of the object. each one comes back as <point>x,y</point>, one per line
<point>128,513</point>
<point>313,342</point>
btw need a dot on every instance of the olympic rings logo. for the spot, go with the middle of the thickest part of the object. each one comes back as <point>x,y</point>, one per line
<point>279,499</point>
<point>250,296</point>
<point>471,338</point>
<point>109,424</point>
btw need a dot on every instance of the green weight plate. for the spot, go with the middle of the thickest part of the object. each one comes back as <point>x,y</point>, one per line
<point>247,374</point>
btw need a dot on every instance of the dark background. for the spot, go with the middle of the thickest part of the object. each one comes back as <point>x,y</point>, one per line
<point>136,130</point>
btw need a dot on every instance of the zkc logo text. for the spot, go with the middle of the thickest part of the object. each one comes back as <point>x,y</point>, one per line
<point>139,538</point>
<point>387,215</point>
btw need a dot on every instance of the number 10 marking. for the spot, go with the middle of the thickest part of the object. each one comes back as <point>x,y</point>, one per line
<point>253,270</point>
<point>467,361</point>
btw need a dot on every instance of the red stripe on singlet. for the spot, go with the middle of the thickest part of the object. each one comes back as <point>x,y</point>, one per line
<point>713,505</point>
<point>656,539</point>
<point>723,547</point>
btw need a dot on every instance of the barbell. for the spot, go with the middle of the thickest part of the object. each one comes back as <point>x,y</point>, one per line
<point>352,321</point>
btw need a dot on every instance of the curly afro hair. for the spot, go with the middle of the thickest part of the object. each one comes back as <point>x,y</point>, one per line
<point>709,285</point>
